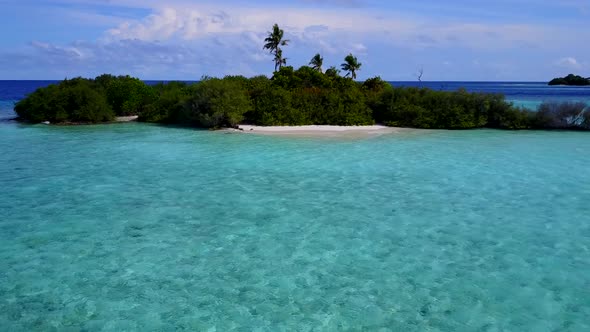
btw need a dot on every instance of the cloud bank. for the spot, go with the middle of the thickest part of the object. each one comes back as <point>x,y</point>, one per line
<point>184,40</point>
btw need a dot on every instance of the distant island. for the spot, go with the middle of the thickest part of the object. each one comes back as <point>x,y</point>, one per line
<point>570,79</point>
<point>291,97</point>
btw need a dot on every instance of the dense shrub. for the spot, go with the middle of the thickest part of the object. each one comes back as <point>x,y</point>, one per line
<point>291,97</point>
<point>565,115</point>
<point>169,104</point>
<point>128,95</point>
<point>75,100</point>
<point>425,108</point>
<point>215,103</point>
<point>273,107</point>
<point>306,96</point>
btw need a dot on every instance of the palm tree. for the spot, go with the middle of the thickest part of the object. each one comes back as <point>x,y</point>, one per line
<point>279,60</point>
<point>316,62</point>
<point>274,41</point>
<point>351,65</point>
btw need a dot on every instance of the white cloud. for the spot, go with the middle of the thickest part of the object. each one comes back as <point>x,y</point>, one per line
<point>359,48</point>
<point>331,30</point>
<point>145,59</point>
<point>186,39</point>
<point>569,62</point>
<point>67,52</point>
<point>198,21</point>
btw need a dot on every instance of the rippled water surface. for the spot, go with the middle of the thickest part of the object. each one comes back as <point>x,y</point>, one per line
<point>137,227</point>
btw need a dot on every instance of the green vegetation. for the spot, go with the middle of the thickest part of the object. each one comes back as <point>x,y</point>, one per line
<point>301,96</point>
<point>570,79</point>
<point>127,95</point>
<point>317,62</point>
<point>77,100</point>
<point>351,65</point>
<point>273,44</point>
<point>81,100</point>
<point>291,97</point>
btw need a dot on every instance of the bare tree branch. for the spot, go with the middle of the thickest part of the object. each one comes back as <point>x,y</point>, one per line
<point>420,73</point>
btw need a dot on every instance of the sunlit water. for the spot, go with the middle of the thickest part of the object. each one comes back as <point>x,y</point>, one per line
<point>145,228</point>
<point>137,227</point>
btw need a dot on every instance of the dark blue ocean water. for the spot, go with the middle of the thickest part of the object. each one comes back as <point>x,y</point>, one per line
<point>527,94</point>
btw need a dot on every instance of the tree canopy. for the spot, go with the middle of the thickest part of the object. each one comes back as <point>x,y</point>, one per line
<point>351,65</point>
<point>317,62</point>
<point>570,79</point>
<point>75,100</point>
<point>302,96</point>
<point>273,43</point>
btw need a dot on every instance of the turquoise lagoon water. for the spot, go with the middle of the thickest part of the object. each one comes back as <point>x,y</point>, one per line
<point>138,227</point>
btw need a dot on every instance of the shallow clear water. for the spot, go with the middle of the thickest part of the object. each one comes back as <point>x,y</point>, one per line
<point>138,227</point>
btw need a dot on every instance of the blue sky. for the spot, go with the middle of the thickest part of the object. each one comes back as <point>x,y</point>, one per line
<point>511,40</point>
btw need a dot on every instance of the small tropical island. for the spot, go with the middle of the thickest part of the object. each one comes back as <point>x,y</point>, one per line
<point>308,95</point>
<point>570,79</point>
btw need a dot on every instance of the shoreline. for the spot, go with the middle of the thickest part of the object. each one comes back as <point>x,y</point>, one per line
<point>118,119</point>
<point>128,118</point>
<point>322,130</point>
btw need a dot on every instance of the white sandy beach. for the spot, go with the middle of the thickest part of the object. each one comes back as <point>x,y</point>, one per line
<point>322,131</point>
<point>126,118</point>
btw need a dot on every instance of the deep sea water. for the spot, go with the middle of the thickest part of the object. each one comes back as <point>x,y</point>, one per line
<point>134,227</point>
